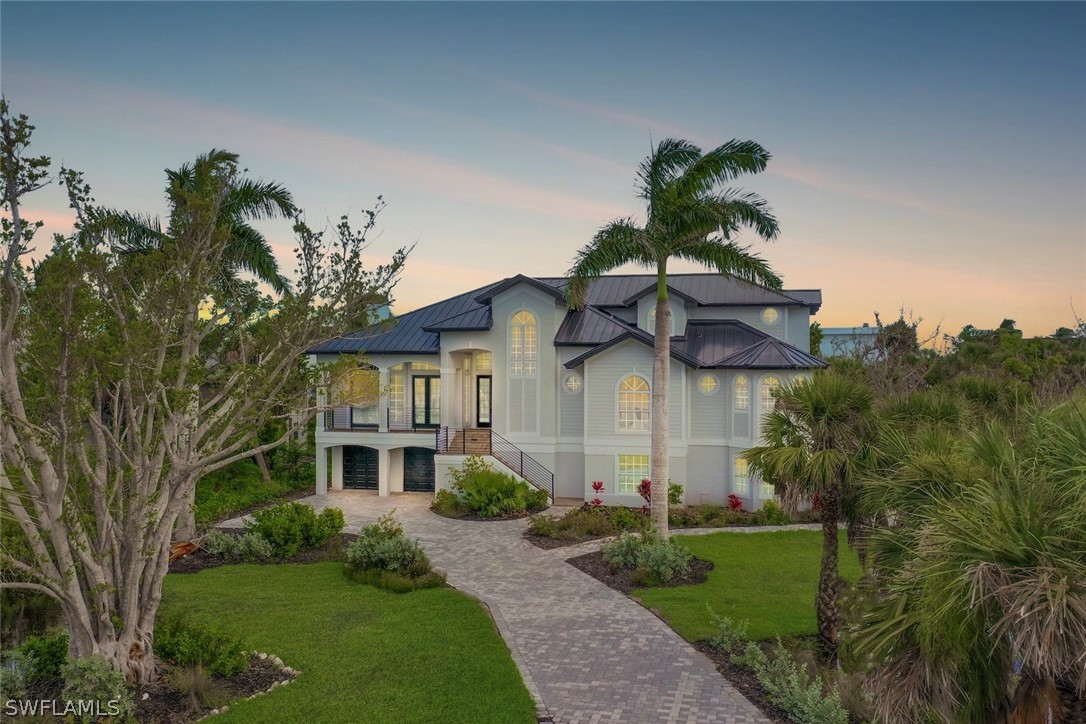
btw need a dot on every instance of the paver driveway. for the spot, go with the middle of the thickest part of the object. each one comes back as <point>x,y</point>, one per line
<point>586,652</point>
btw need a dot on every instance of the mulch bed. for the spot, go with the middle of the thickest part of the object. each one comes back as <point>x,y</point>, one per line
<point>201,559</point>
<point>167,705</point>
<point>473,516</point>
<point>744,680</point>
<point>623,579</point>
<point>547,543</point>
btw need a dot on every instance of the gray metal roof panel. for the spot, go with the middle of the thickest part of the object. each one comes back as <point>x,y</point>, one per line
<point>589,327</point>
<point>473,319</point>
<point>709,341</point>
<point>771,353</point>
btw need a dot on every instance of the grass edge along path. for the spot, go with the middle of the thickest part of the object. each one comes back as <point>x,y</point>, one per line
<point>768,579</point>
<point>364,654</point>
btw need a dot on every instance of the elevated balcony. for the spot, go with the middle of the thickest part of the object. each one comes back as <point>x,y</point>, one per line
<point>355,419</point>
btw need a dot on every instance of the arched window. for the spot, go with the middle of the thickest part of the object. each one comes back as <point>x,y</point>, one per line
<point>652,322</point>
<point>742,393</point>
<point>768,385</point>
<point>523,347</point>
<point>633,404</point>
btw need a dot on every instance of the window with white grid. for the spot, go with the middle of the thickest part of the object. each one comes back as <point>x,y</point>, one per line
<point>633,404</point>
<point>632,469</point>
<point>741,483</point>
<point>742,393</point>
<point>768,385</point>
<point>523,344</point>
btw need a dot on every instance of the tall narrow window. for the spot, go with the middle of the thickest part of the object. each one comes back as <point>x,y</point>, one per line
<point>632,469</point>
<point>742,393</point>
<point>742,477</point>
<point>523,344</point>
<point>768,385</point>
<point>633,404</point>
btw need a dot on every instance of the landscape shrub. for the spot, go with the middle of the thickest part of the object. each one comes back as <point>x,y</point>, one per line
<point>449,504</point>
<point>674,493</point>
<point>250,547</point>
<point>791,687</point>
<point>627,519</point>
<point>473,465</point>
<point>40,660</point>
<point>491,494</point>
<point>198,687</point>
<point>590,522</point>
<point>655,561</point>
<point>93,679</point>
<point>772,513</point>
<point>240,486</point>
<point>186,642</point>
<point>289,527</point>
<point>383,556</point>
<point>735,502</point>
<point>727,635</point>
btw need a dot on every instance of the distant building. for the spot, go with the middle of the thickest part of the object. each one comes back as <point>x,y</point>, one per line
<point>848,341</point>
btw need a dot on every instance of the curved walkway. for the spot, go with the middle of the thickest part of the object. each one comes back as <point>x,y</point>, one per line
<point>587,652</point>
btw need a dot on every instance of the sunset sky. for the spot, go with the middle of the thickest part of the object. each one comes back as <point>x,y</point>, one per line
<point>930,156</point>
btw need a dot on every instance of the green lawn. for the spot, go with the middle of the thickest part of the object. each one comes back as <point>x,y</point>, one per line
<point>365,655</point>
<point>767,579</point>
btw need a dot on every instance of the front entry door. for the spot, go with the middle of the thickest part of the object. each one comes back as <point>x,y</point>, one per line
<point>426,401</point>
<point>483,386</point>
<point>418,470</point>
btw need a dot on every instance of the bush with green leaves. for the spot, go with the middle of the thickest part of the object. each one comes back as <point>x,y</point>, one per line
<point>384,557</point>
<point>772,513</point>
<point>185,642</point>
<point>656,561</point>
<point>250,547</point>
<point>728,636</point>
<point>200,689</point>
<point>674,493</point>
<point>450,505</point>
<point>792,687</point>
<point>39,661</point>
<point>92,679</point>
<point>491,494</point>
<point>291,527</point>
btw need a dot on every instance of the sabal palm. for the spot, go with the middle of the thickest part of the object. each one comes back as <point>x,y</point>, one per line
<point>213,181</point>
<point>983,573</point>
<point>688,216</point>
<point>815,439</point>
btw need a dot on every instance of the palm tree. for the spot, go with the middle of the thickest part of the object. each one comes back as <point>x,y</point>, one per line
<point>215,178</point>
<point>212,184</point>
<point>688,216</point>
<point>978,607</point>
<point>814,439</point>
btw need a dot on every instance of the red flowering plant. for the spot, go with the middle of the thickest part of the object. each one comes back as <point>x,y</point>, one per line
<point>598,487</point>
<point>735,502</point>
<point>645,491</point>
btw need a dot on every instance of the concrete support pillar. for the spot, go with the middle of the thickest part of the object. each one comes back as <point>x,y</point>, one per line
<point>337,467</point>
<point>396,470</point>
<point>322,470</point>
<point>383,472</point>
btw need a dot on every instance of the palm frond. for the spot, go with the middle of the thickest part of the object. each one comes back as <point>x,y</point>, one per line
<point>132,233</point>
<point>721,165</point>
<point>248,250</point>
<point>731,259</point>
<point>620,242</point>
<point>252,200</point>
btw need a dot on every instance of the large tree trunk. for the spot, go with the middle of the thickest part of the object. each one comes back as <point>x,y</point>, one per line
<point>262,463</point>
<point>661,385</point>
<point>186,521</point>
<point>826,603</point>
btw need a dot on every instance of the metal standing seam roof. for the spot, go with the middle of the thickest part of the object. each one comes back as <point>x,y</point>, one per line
<point>706,343</point>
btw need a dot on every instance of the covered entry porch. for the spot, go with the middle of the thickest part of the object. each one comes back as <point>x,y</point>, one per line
<point>383,468</point>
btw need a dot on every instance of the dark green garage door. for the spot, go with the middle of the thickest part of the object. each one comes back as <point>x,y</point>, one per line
<point>359,468</point>
<point>418,469</point>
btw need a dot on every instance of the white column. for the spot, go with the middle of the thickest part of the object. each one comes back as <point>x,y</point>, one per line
<point>382,406</point>
<point>322,470</point>
<point>396,470</point>
<point>337,467</point>
<point>383,472</point>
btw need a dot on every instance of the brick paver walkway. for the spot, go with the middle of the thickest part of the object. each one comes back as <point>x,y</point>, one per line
<point>586,652</point>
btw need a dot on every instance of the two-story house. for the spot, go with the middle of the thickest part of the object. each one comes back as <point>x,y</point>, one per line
<point>562,398</point>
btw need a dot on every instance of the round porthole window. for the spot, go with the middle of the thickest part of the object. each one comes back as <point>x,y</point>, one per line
<point>708,385</point>
<point>574,383</point>
<point>770,316</point>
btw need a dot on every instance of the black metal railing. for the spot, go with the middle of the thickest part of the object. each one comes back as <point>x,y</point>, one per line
<point>401,421</point>
<point>347,418</point>
<point>484,441</point>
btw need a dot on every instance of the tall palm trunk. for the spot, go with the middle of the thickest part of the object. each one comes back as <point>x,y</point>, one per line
<point>829,617</point>
<point>661,419</point>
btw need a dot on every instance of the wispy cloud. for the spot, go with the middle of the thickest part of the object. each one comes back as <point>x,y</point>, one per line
<point>352,156</point>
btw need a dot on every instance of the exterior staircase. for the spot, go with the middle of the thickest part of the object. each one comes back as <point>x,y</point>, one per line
<point>485,442</point>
